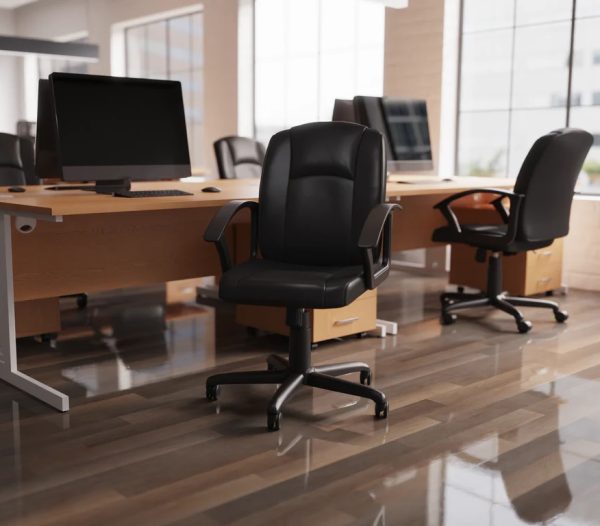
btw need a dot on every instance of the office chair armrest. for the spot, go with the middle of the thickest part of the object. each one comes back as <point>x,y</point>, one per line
<point>446,210</point>
<point>375,242</point>
<point>215,231</point>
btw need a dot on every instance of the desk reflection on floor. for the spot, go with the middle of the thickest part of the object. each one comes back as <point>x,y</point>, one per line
<point>143,343</point>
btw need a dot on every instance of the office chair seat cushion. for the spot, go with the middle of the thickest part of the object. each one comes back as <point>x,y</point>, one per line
<point>267,282</point>
<point>489,237</point>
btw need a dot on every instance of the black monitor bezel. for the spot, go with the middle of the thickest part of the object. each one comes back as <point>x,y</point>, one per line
<point>113,173</point>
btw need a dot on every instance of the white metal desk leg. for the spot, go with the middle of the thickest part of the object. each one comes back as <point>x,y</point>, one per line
<point>8,342</point>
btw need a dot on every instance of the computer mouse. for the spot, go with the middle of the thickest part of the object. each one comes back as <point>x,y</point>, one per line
<point>211,189</point>
<point>16,189</point>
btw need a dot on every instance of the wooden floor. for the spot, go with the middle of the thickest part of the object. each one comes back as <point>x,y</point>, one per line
<point>487,427</point>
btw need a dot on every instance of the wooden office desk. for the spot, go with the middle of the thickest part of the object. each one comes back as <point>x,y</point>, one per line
<point>84,241</point>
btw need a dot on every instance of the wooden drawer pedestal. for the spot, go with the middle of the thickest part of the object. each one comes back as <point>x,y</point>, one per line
<point>359,316</point>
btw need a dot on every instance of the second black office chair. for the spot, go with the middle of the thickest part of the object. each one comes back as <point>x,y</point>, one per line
<point>12,171</point>
<point>323,232</point>
<point>239,157</point>
<point>540,206</point>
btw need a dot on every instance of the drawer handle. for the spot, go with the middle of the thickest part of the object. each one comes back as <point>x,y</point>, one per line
<point>546,253</point>
<point>544,280</point>
<point>347,321</point>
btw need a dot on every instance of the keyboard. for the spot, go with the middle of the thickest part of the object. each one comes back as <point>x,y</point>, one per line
<point>151,193</point>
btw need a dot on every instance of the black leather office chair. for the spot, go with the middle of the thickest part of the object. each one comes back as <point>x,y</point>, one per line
<point>11,164</point>
<point>239,157</point>
<point>323,231</point>
<point>540,207</point>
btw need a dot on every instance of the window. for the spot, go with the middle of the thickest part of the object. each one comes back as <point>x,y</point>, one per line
<point>171,48</point>
<point>310,52</point>
<point>514,78</point>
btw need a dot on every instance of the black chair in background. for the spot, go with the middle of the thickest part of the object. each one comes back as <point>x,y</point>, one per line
<point>27,149</point>
<point>239,157</point>
<point>323,232</point>
<point>11,164</point>
<point>540,206</point>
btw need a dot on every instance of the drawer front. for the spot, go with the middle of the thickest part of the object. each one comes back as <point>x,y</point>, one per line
<point>359,316</point>
<point>544,269</point>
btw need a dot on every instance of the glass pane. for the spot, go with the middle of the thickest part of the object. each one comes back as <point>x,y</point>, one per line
<point>302,90</point>
<point>539,11</point>
<point>270,98</point>
<point>485,72</point>
<point>586,68</point>
<point>197,40</point>
<point>270,29</point>
<point>588,8</point>
<point>180,44</point>
<point>487,14</point>
<point>370,25</point>
<point>483,140</point>
<point>337,81</point>
<point>589,119</point>
<point>302,27</point>
<point>338,25</point>
<point>157,50</point>
<point>541,66</point>
<point>136,51</point>
<point>527,126</point>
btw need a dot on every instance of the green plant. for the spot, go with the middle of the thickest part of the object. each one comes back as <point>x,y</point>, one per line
<point>592,168</point>
<point>489,169</point>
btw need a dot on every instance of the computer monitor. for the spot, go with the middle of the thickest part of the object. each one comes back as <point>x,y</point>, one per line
<point>115,130</point>
<point>46,159</point>
<point>343,110</point>
<point>408,133</point>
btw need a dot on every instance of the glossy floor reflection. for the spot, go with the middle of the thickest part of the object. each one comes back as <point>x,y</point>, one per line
<point>487,427</point>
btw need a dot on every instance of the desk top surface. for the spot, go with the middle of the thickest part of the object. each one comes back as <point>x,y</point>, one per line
<point>42,202</point>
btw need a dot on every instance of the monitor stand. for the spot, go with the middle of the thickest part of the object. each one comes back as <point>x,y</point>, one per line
<point>111,186</point>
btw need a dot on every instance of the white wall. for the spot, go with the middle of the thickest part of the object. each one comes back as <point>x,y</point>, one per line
<point>56,18</point>
<point>10,79</point>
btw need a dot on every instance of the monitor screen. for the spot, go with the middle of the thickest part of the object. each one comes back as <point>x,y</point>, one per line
<point>111,128</point>
<point>408,129</point>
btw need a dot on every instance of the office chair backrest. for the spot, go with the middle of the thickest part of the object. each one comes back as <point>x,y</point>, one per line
<point>369,112</point>
<point>11,166</point>
<point>547,179</point>
<point>343,110</point>
<point>27,151</point>
<point>239,157</point>
<point>318,184</point>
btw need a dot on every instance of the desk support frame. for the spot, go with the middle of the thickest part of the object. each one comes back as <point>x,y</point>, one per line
<point>8,341</point>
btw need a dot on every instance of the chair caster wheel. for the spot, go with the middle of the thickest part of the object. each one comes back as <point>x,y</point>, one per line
<point>381,410</point>
<point>273,421</point>
<point>561,316</point>
<point>48,337</point>
<point>365,377</point>
<point>524,326</point>
<point>447,319</point>
<point>212,392</point>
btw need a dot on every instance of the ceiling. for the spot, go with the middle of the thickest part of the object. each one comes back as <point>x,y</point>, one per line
<point>11,4</point>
